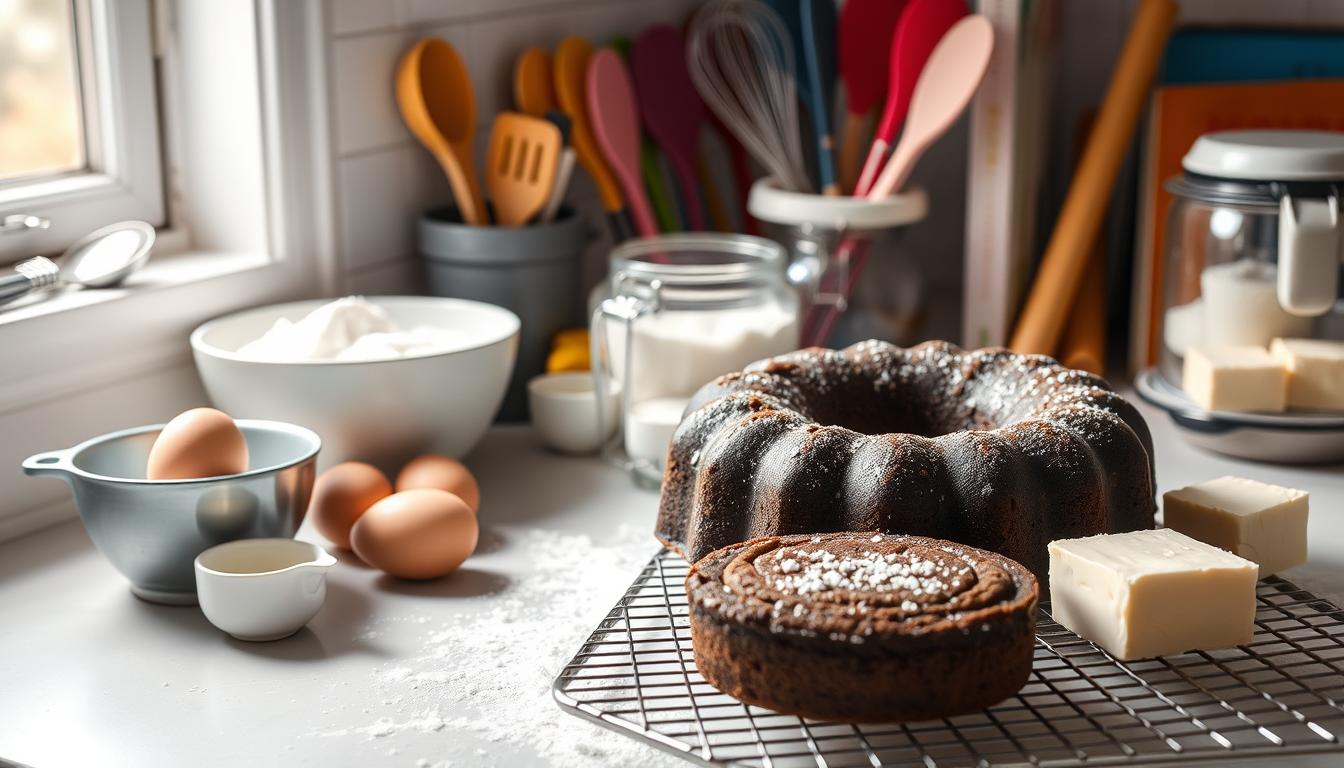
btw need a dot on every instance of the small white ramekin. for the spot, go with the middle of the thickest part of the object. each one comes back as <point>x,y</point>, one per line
<point>262,589</point>
<point>565,412</point>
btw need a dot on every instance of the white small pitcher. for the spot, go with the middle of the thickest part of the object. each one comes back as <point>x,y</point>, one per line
<point>262,589</point>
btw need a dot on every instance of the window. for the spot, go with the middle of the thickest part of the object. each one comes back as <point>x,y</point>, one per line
<point>243,96</point>
<point>79,122</point>
<point>40,117</point>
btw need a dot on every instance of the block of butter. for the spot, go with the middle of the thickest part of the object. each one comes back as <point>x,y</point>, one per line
<point>1234,379</point>
<point>1266,524</point>
<point>1152,593</point>
<point>1315,372</point>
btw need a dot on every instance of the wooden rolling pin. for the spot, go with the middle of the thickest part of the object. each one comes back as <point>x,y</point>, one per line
<point>1084,344</point>
<point>1042,320</point>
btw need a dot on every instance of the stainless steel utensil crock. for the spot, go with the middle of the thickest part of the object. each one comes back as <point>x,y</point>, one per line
<point>152,530</point>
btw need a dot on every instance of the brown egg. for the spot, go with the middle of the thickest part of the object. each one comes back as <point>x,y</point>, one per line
<point>431,471</point>
<point>201,442</point>
<point>342,494</point>
<point>417,534</point>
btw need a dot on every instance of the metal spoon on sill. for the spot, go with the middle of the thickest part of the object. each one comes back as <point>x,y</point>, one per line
<point>101,259</point>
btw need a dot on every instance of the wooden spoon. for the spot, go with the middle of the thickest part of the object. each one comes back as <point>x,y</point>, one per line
<point>438,104</point>
<point>521,166</point>
<point>945,87</point>
<point>615,123</point>
<point>571,73</point>
<point>534,83</point>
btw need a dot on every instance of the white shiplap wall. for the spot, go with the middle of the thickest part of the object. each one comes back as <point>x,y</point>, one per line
<point>384,178</point>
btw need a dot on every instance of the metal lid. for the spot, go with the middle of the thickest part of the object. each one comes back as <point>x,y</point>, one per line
<point>1268,155</point>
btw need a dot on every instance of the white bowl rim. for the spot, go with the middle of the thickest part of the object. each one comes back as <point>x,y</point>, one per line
<point>538,386</point>
<point>314,447</point>
<point>199,344</point>
<point>318,556</point>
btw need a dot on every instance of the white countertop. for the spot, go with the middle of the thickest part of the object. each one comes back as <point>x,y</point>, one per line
<point>453,672</point>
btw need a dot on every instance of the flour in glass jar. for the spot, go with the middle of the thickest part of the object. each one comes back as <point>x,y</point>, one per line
<point>677,352</point>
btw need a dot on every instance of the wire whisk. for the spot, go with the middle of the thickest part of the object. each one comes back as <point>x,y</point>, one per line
<point>743,64</point>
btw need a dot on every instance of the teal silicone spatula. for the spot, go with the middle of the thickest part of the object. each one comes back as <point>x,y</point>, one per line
<point>818,22</point>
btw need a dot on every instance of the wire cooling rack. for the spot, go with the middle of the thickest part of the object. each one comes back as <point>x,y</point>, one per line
<point>1281,695</point>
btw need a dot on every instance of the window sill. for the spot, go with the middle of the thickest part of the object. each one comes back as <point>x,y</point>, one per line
<point>83,339</point>
<point>158,274</point>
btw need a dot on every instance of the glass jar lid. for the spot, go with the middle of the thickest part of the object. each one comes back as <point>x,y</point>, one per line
<point>1256,169</point>
<point>699,259</point>
<point>702,270</point>
<point>1268,156</point>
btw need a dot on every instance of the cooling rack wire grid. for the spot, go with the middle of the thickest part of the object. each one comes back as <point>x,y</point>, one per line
<point>1282,695</point>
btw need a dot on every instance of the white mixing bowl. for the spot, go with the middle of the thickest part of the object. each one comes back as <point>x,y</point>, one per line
<point>385,411</point>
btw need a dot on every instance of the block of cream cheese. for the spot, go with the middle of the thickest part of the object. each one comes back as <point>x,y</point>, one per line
<point>1266,524</point>
<point>1152,593</point>
<point>1315,372</point>
<point>1183,326</point>
<point>1235,379</point>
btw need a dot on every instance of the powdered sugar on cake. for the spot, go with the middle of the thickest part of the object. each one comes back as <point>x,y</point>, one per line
<point>805,571</point>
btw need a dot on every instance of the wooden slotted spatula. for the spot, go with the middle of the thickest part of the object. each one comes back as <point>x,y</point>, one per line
<point>521,166</point>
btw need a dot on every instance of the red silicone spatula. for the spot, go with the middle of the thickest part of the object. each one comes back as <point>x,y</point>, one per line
<point>615,120</point>
<point>922,24</point>
<point>670,108</point>
<point>949,81</point>
<point>866,30</point>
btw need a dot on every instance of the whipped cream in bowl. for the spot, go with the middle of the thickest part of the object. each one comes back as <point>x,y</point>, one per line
<point>349,329</point>
<point>382,379</point>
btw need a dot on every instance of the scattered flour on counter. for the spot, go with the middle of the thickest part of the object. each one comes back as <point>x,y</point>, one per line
<point>499,663</point>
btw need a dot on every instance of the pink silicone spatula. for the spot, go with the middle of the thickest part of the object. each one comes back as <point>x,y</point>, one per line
<point>670,108</point>
<point>615,122</point>
<point>949,80</point>
<point>866,30</point>
<point>945,87</point>
<point>923,23</point>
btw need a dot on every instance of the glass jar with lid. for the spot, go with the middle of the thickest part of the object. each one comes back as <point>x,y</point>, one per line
<point>1252,254</point>
<point>1253,242</point>
<point>681,310</point>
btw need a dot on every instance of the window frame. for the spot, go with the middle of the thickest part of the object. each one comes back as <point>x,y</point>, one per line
<point>63,352</point>
<point>120,124</point>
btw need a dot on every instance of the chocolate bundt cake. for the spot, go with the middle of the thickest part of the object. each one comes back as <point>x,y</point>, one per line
<point>996,450</point>
<point>862,627</point>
